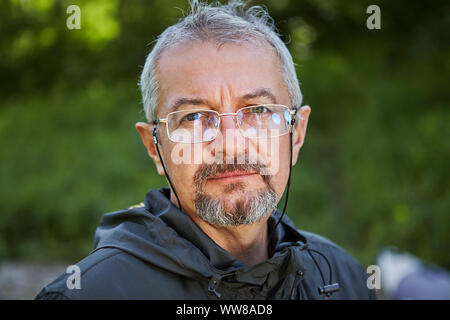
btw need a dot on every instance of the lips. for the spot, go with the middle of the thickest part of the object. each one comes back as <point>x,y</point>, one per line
<point>233,175</point>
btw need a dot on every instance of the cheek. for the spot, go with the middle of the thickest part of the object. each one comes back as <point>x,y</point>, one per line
<point>182,175</point>
<point>274,153</point>
<point>179,163</point>
<point>279,163</point>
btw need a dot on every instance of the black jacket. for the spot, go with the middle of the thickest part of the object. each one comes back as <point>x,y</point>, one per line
<point>154,251</point>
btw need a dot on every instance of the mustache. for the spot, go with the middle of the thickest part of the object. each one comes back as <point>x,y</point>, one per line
<point>206,171</point>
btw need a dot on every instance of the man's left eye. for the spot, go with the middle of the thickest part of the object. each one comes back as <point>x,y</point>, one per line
<point>259,109</point>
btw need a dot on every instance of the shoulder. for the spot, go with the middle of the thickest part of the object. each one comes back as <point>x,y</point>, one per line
<point>107,273</point>
<point>350,274</point>
<point>66,285</point>
<point>334,253</point>
<point>328,247</point>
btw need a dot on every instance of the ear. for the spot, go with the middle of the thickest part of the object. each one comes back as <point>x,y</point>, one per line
<point>298,136</point>
<point>146,132</point>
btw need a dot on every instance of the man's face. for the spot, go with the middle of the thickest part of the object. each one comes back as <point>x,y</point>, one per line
<point>199,75</point>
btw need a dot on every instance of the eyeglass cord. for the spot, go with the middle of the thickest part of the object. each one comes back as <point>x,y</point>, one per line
<point>287,189</point>
<point>155,139</point>
<point>274,231</point>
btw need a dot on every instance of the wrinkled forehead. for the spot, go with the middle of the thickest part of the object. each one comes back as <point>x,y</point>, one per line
<point>221,75</point>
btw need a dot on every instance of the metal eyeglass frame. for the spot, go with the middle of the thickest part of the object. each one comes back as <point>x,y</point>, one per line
<point>292,113</point>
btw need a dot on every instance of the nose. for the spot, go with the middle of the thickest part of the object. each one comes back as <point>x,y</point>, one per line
<point>234,143</point>
<point>227,123</point>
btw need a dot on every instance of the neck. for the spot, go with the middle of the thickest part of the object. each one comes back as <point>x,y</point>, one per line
<point>247,243</point>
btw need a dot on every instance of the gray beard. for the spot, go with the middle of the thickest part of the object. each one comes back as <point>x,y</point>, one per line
<point>248,211</point>
<point>245,211</point>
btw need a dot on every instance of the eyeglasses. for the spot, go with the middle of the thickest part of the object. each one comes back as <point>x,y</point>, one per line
<point>200,125</point>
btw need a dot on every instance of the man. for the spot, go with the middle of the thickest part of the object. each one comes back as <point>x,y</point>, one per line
<point>225,126</point>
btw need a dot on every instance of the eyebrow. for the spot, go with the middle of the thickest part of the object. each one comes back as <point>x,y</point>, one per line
<point>263,92</point>
<point>190,101</point>
<point>258,93</point>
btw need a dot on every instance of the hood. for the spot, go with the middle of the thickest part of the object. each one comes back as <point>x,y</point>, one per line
<point>160,234</point>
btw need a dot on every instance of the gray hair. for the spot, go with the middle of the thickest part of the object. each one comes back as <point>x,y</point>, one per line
<point>230,23</point>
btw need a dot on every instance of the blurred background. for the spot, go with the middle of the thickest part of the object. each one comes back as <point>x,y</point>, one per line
<point>373,172</point>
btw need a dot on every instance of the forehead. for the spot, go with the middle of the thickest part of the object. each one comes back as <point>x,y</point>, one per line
<point>219,74</point>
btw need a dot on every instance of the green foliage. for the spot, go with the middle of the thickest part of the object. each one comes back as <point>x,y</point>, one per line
<point>373,171</point>
<point>65,161</point>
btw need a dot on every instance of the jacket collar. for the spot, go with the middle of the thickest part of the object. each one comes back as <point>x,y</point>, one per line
<point>286,237</point>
